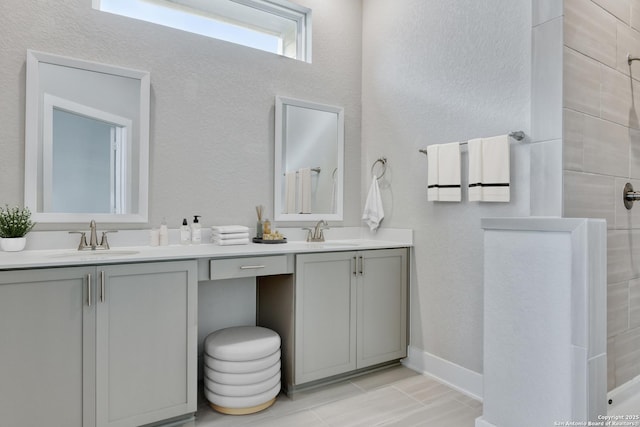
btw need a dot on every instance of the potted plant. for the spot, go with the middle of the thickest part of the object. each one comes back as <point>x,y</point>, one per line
<point>15,223</point>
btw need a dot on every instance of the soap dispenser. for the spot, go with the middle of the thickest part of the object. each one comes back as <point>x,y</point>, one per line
<point>196,232</point>
<point>185,233</point>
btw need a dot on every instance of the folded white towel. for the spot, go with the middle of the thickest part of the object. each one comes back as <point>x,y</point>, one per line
<point>222,229</point>
<point>475,169</point>
<point>489,169</point>
<point>229,242</point>
<point>304,190</point>
<point>449,172</point>
<point>227,236</point>
<point>290,192</point>
<point>373,210</point>
<point>433,192</point>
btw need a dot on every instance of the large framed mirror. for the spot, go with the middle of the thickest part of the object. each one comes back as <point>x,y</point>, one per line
<point>86,141</point>
<point>309,161</point>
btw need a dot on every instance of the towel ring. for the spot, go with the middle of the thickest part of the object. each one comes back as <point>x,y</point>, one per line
<point>383,162</point>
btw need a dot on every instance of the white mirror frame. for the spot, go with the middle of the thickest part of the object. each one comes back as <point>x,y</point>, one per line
<point>34,124</point>
<point>279,167</point>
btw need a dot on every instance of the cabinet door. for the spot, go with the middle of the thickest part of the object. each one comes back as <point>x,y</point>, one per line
<point>46,340</point>
<point>325,315</point>
<point>382,306</point>
<point>146,342</point>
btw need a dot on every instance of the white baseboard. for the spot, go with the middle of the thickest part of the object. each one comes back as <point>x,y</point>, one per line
<point>480,422</point>
<point>455,376</point>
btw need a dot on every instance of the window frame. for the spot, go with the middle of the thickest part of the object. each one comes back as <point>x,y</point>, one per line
<point>222,13</point>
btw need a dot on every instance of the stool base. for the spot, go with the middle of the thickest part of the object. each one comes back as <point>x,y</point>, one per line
<point>242,411</point>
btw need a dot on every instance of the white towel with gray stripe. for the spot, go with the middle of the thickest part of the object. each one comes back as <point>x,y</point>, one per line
<point>489,169</point>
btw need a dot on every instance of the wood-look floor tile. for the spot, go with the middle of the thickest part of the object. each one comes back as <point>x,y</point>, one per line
<point>384,378</point>
<point>370,409</point>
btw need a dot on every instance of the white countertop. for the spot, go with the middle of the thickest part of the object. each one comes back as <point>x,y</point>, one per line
<point>128,254</point>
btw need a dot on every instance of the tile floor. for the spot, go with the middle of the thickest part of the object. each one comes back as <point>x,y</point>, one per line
<point>396,396</point>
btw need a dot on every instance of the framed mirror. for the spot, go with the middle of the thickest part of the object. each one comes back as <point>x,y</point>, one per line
<point>86,141</point>
<point>309,161</point>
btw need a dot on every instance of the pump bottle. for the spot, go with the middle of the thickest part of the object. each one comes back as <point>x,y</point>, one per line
<point>196,231</point>
<point>185,233</point>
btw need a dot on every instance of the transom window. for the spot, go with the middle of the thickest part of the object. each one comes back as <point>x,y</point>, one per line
<point>276,26</point>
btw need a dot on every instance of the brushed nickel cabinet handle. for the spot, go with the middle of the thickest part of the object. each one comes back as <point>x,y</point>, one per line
<point>355,266</point>
<point>251,267</point>
<point>102,286</point>
<point>361,265</point>
<point>89,289</point>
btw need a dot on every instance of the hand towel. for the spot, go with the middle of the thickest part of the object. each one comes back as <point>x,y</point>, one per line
<point>229,242</point>
<point>221,229</point>
<point>227,236</point>
<point>432,173</point>
<point>475,169</point>
<point>495,169</point>
<point>304,190</point>
<point>290,192</point>
<point>373,210</point>
<point>449,173</point>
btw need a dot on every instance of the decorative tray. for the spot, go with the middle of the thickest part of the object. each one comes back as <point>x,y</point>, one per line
<point>258,240</point>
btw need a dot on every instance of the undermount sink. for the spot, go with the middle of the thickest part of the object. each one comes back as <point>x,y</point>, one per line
<point>95,254</point>
<point>333,244</point>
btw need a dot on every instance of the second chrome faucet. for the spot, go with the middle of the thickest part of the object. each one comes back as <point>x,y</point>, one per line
<point>316,234</point>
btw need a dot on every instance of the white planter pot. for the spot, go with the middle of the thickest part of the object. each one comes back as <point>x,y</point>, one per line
<point>13,244</point>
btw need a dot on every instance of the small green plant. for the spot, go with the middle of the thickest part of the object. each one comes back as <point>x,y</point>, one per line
<point>15,222</point>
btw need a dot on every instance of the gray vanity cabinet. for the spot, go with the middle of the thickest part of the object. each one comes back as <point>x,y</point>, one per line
<point>325,315</point>
<point>350,311</point>
<point>146,344</point>
<point>112,345</point>
<point>47,346</point>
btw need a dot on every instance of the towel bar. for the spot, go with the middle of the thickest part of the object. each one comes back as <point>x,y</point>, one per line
<point>630,59</point>
<point>517,135</point>
<point>316,170</point>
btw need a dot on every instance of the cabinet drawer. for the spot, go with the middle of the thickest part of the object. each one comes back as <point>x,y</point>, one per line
<point>231,268</point>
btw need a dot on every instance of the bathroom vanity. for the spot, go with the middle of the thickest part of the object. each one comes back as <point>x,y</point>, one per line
<point>111,339</point>
<point>341,312</point>
<point>108,345</point>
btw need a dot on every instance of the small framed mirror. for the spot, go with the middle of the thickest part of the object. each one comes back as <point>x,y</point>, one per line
<point>309,161</point>
<point>86,141</point>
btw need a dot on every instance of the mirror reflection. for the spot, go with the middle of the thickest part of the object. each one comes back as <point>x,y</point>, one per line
<point>309,160</point>
<point>86,141</point>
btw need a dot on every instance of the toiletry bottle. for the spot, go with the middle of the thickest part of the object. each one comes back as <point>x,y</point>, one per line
<point>164,233</point>
<point>185,233</point>
<point>196,232</point>
<point>266,227</point>
<point>154,237</point>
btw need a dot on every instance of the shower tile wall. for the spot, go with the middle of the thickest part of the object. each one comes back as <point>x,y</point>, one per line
<point>601,152</point>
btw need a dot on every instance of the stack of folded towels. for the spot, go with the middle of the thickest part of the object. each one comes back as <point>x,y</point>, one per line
<point>230,235</point>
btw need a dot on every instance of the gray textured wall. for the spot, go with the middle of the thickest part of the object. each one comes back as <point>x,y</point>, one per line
<point>436,72</point>
<point>212,102</point>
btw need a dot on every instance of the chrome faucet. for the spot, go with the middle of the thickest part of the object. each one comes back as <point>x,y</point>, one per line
<point>317,233</point>
<point>93,238</point>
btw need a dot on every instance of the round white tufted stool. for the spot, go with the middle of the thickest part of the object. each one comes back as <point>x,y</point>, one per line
<point>242,369</point>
